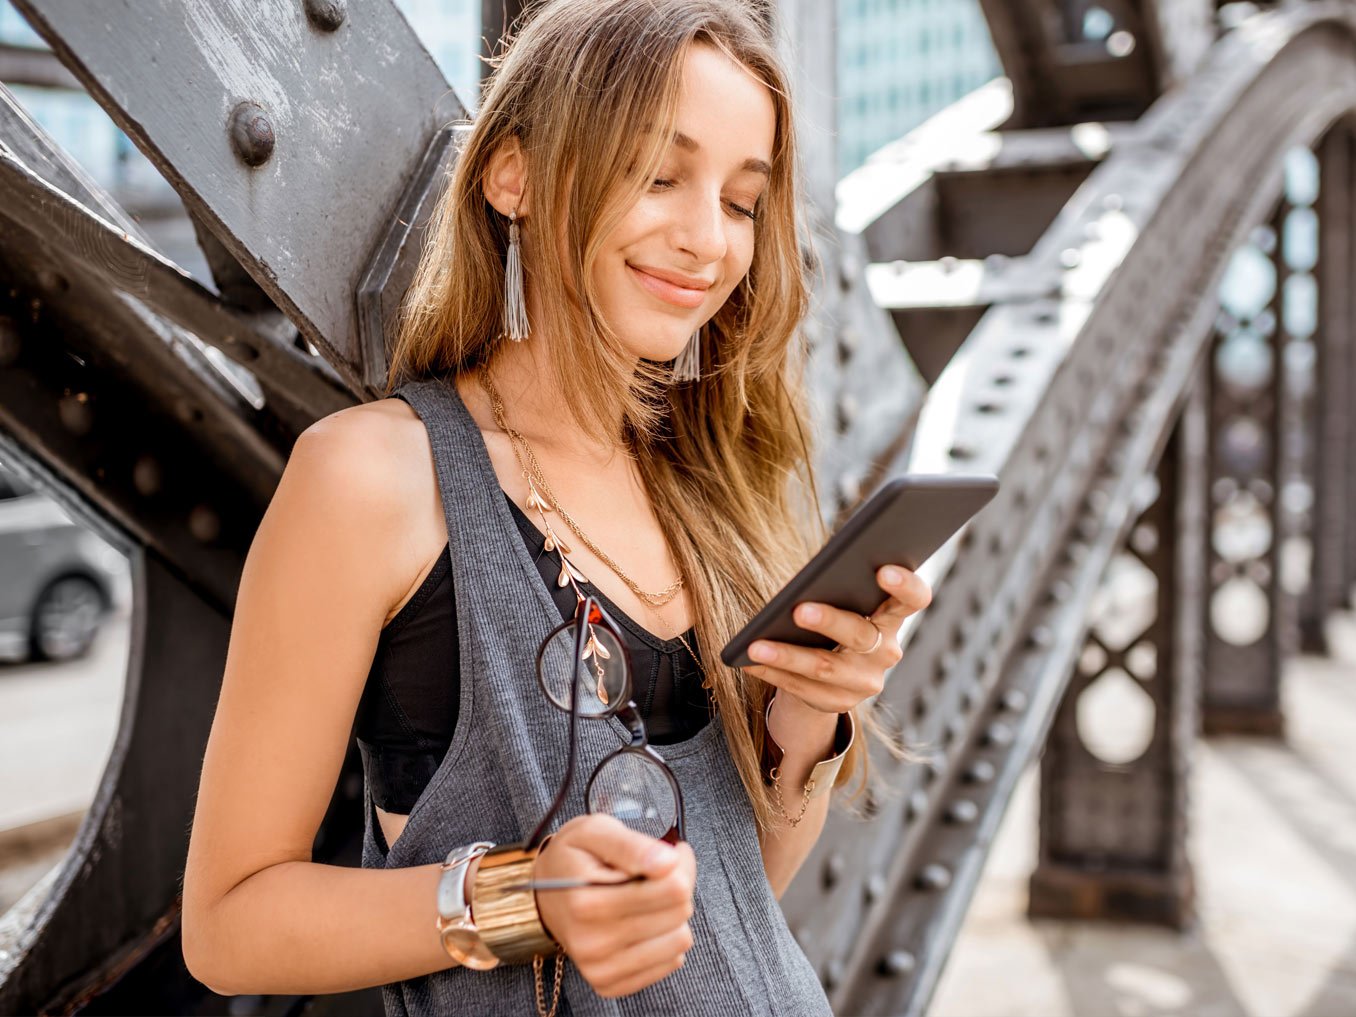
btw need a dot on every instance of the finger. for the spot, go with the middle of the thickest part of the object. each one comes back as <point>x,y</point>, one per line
<point>603,904</point>
<point>910,593</point>
<point>642,956</point>
<point>627,931</point>
<point>847,628</point>
<point>646,978</point>
<point>825,696</point>
<point>617,846</point>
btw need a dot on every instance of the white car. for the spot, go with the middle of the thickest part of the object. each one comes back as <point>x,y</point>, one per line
<point>58,581</point>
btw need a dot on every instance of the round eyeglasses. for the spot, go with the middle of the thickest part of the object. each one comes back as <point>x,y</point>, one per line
<point>584,668</point>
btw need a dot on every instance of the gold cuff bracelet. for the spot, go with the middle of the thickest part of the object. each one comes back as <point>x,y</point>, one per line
<point>508,920</point>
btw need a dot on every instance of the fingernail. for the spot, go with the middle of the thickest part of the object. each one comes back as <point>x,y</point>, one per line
<point>892,576</point>
<point>761,651</point>
<point>811,613</point>
<point>658,856</point>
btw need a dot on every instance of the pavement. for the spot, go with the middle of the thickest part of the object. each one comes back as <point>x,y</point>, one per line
<point>1273,840</point>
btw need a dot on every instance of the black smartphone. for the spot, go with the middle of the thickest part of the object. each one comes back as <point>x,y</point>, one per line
<point>903,523</point>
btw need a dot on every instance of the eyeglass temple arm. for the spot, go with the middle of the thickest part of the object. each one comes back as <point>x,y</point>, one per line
<point>543,827</point>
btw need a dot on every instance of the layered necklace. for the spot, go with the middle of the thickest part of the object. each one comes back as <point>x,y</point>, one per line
<point>543,500</point>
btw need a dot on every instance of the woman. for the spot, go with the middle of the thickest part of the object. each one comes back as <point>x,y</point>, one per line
<point>602,400</point>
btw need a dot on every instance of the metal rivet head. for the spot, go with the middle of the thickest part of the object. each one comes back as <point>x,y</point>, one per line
<point>896,964</point>
<point>998,735</point>
<point>1014,701</point>
<point>326,15</point>
<point>833,974</point>
<point>916,805</point>
<point>204,524</point>
<point>251,134</point>
<point>874,888</point>
<point>933,877</point>
<point>981,771</point>
<point>146,477</point>
<point>962,812</point>
<point>834,867</point>
<point>76,414</point>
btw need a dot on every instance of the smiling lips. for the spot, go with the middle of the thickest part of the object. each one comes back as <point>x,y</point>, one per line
<point>671,288</point>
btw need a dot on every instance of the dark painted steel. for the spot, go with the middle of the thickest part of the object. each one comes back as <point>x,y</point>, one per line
<point>1071,363</point>
<point>351,111</point>
<point>1113,833</point>
<point>1243,665</point>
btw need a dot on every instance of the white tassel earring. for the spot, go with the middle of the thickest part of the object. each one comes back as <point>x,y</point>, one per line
<point>515,304</point>
<point>687,366</point>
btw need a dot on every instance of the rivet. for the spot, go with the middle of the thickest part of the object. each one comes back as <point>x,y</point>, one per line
<point>1040,637</point>
<point>251,133</point>
<point>933,877</point>
<point>204,524</point>
<point>874,888</point>
<point>916,805</point>
<point>998,735</point>
<point>146,476</point>
<point>896,964</point>
<point>962,812</point>
<point>833,974</point>
<point>326,15</point>
<point>981,771</point>
<point>52,280</point>
<point>1014,701</point>
<point>834,866</point>
<point>76,414</point>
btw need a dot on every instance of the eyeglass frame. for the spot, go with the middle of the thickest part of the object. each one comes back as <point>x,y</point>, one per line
<point>588,611</point>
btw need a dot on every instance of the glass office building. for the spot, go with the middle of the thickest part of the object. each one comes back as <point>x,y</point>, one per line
<point>900,61</point>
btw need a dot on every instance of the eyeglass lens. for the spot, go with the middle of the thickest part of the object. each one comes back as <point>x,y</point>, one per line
<point>604,683</point>
<point>634,788</point>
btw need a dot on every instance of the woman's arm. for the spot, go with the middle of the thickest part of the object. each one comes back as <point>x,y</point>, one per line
<point>807,736</point>
<point>813,686</point>
<point>331,556</point>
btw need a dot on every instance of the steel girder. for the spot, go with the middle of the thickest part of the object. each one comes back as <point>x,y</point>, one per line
<point>1068,390</point>
<point>1063,74</point>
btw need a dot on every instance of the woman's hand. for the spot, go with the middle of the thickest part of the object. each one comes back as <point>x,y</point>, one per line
<point>834,681</point>
<point>621,938</point>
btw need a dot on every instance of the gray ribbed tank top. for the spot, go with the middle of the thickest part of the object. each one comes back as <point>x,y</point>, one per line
<point>505,763</point>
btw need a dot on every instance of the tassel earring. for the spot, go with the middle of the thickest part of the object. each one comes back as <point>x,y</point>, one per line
<point>515,304</point>
<point>687,366</point>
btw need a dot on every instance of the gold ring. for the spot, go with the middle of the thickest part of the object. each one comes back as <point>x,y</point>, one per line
<point>880,634</point>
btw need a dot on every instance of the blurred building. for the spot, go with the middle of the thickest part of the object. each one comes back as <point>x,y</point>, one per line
<point>899,62</point>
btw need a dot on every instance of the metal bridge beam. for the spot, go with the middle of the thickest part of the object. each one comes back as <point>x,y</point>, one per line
<point>1113,832</point>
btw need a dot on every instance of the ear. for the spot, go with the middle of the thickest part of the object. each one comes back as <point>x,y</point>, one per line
<point>505,181</point>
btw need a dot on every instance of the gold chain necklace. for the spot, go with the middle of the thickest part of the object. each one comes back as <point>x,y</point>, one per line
<point>536,479</point>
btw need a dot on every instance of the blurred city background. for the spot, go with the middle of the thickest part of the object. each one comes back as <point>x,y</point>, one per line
<point>1274,819</point>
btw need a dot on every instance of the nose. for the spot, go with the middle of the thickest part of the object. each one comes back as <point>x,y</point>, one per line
<point>701,229</point>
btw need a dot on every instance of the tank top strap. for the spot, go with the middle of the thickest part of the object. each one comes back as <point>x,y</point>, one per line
<point>481,529</point>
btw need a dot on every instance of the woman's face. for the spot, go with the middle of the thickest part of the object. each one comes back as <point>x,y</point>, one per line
<point>691,225</point>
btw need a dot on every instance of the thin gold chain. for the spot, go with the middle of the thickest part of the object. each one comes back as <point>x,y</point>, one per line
<point>538,478</point>
<point>555,992</point>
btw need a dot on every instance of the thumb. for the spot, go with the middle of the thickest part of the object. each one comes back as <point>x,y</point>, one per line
<point>615,844</point>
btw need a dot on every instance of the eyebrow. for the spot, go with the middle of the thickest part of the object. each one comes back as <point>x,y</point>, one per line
<point>690,144</point>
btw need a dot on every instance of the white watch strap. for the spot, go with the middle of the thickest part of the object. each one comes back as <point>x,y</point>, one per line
<point>452,883</point>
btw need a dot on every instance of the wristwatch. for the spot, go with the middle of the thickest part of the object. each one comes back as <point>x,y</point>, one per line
<point>458,932</point>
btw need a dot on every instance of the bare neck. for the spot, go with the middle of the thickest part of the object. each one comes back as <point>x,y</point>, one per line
<point>534,404</point>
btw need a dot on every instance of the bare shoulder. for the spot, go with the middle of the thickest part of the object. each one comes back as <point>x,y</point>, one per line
<point>374,459</point>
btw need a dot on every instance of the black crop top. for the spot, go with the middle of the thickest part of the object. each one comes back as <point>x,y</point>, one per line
<point>409,706</point>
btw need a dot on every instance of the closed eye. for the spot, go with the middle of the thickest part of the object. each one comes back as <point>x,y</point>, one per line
<point>739,210</point>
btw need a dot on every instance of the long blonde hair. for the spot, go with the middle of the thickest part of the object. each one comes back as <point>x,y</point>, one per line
<point>726,460</point>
